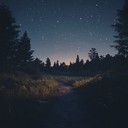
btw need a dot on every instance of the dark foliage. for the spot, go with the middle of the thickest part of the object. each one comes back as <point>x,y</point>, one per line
<point>8,38</point>
<point>48,64</point>
<point>15,53</point>
<point>121,27</point>
<point>24,53</point>
<point>106,101</point>
<point>93,54</point>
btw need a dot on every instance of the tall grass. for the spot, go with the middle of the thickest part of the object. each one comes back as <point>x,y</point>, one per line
<point>22,85</point>
<point>78,81</point>
<point>20,96</point>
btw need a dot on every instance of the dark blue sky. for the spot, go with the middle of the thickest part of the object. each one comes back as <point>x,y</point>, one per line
<point>61,29</point>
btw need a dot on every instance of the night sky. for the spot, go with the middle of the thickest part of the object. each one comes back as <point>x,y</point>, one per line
<point>61,29</point>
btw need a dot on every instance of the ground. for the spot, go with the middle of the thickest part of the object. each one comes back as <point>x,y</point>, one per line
<point>66,111</point>
<point>101,104</point>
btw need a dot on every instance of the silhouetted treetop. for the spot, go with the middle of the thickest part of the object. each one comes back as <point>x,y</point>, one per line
<point>121,27</point>
<point>77,59</point>
<point>93,54</point>
<point>48,63</point>
<point>8,37</point>
<point>24,49</point>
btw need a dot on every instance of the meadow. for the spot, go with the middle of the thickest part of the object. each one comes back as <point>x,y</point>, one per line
<point>27,100</point>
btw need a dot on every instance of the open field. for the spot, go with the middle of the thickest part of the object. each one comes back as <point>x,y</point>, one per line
<point>22,85</point>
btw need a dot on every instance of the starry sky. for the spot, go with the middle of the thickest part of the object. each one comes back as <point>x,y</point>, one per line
<point>61,29</point>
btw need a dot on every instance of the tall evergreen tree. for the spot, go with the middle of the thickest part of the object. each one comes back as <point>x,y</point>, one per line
<point>121,27</point>
<point>8,37</point>
<point>48,63</point>
<point>24,50</point>
<point>77,59</point>
<point>56,64</point>
<point>93,55</point>
<point>81,62</point>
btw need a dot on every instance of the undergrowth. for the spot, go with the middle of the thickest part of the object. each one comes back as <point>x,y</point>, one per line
<point>22,85</point>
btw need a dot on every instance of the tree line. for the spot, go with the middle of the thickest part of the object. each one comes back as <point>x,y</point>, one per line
<point>16,52</point>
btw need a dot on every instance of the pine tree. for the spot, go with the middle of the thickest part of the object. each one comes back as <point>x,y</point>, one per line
<point>24,50</point>
<point>56,64</point>
<point>81,62</point>
<point>77,59</point>
<point>121,27</point>
<point>48,63</point>
<point>93,55</point>
<point>8,37</point>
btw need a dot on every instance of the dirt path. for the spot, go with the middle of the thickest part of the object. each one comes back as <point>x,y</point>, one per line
<point>66,112</point>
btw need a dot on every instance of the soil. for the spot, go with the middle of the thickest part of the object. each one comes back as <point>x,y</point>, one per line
<point>66,111</point>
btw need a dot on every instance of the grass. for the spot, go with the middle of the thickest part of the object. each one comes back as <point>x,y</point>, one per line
<point>20,96</point>
<point>103,99</point>
<point>22,85</point>
<point>78,81</point>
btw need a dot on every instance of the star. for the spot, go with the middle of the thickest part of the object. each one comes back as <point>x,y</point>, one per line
<point>58,21</point>
<point>91,16</point>
<point>97,5</point>
<point>81,18</point>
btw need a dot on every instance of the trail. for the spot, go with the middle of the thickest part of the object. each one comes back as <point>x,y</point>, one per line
<point>66,112</point>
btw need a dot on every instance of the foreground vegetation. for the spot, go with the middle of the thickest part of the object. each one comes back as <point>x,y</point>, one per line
<point>23,85</point>
<point>106,101</point>
<point>25,99</point>
<point>77,81</point>
<point>103,98</point>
